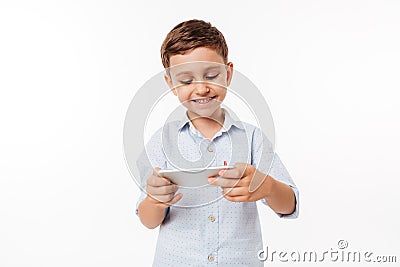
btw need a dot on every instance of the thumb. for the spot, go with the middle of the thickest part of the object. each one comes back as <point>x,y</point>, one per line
<point>175,199</point>
<point>155,171</point>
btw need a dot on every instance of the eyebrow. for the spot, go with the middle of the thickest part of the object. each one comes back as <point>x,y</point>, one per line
<point>190,72</point>
<point>183,73</point>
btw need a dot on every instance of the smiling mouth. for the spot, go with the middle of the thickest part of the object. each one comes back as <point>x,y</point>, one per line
<point>203,100</point>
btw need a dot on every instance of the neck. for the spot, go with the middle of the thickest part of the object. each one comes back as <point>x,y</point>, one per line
<point>211,124</point>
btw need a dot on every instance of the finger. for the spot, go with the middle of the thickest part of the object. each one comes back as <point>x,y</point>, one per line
<point>162,190</point>
<point>175,199</point>
<point>236,198</point>
<point>164,198</point>
<point>235,192</point>
<point>155,180</point>
<point>236,172</point>
<point>224,182</point>
<point>155,171</point>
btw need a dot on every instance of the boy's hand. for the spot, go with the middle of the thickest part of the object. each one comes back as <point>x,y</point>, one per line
<point>244,183</point>
<point>160,190</point>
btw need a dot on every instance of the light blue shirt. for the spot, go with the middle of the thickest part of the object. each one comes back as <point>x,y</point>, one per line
<point>204,228</point>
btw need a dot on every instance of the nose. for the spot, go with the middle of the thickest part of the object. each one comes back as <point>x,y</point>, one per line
<point>201,88</point>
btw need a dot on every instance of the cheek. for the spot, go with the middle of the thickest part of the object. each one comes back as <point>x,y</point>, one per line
<point>221,91</point>
<point>223,79</point>
<point>183,95</point>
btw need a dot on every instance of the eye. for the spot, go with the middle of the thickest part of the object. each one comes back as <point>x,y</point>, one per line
<point>211,77</point>
<point>186,82</point>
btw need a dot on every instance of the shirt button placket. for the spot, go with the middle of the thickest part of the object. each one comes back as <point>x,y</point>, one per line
<point>213,237</point>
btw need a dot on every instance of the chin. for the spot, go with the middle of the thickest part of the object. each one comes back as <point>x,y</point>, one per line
<point>205,112</point>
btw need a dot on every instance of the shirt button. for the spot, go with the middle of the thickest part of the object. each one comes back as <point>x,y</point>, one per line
<point>210,148</point>
<point>212,218</point>
<point>210,258</point>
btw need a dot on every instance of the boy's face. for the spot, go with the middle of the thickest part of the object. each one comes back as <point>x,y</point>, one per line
<point>199,78</point>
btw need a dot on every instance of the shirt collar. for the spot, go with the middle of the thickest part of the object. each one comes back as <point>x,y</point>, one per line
<point>228,123</point>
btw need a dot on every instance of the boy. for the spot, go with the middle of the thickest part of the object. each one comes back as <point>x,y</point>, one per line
<point>225,231</point>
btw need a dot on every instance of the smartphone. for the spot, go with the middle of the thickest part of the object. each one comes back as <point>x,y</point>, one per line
<point>195,177</point>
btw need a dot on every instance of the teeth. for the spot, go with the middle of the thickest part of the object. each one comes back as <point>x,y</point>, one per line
<point>202,101</point>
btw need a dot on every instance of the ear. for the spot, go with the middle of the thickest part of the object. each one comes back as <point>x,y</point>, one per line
<point>229,73</point>
<point>168,80</point>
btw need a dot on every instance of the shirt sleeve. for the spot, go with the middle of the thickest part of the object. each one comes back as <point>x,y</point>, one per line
<point>151,157</point>
<point>267,161</point>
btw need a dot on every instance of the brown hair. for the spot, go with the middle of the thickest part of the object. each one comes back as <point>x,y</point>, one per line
<point>192,34</point>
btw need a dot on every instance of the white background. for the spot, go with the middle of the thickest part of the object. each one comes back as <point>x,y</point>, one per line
<point>68,71</point>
